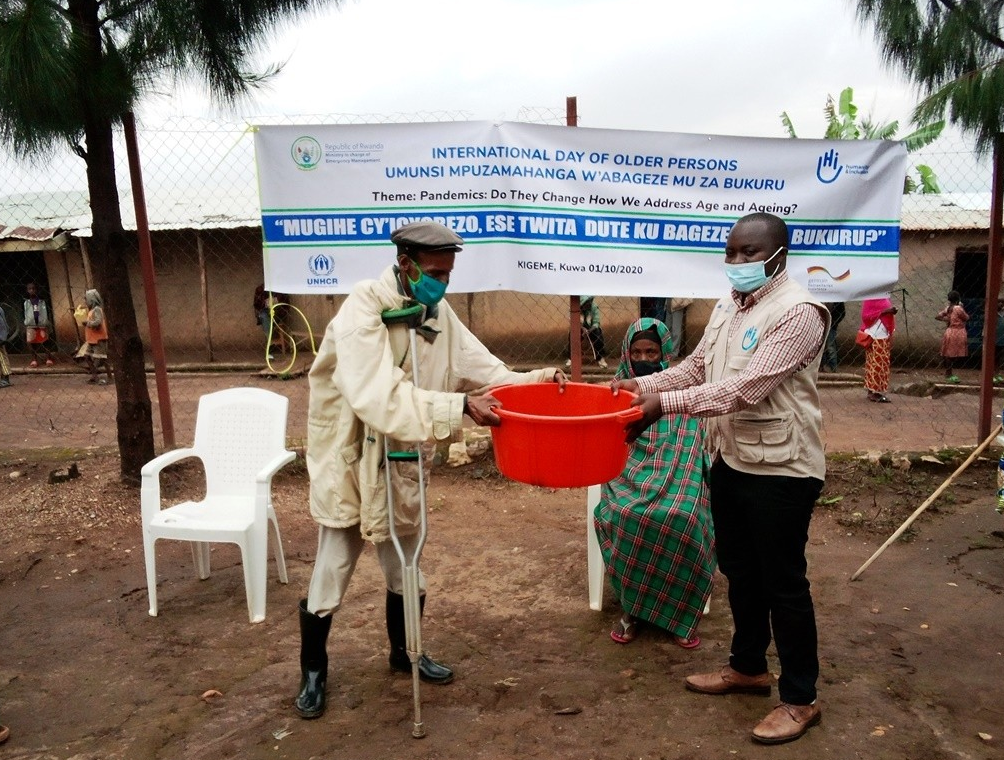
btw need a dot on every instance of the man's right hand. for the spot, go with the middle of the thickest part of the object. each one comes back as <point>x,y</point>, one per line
<point>651,407</point>
<point>479,409</point>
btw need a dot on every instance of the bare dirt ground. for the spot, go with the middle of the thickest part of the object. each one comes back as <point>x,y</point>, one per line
<point>911,653</point>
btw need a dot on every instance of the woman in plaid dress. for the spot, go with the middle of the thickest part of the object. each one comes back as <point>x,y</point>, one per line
<point>653,522</point>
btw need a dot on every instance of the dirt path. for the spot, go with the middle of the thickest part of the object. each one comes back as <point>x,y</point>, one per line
<point>911,653</point>
<point>61,410</point>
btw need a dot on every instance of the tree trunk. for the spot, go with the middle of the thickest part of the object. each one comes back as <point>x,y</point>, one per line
<point>109,254</point>
<point>109,248</point>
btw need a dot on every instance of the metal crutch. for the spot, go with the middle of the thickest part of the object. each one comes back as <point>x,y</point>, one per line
<point>409,566</point>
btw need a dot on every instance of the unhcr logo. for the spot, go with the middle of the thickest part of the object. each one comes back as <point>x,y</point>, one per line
<point>306,153</point>
<point>321,266</point>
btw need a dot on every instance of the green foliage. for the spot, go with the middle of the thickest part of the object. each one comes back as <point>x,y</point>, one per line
<point>65,64</point>
<point>954,51</point>
<point>842,123</point>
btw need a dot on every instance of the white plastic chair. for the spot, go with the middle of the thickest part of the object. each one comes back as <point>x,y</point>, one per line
<point>595,568</point>
<point>240,436</point>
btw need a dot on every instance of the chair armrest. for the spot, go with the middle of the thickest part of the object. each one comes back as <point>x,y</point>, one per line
<point>155,465</point>
<point>263,481</point>
<point>149,495</point>
<point>273,466</point>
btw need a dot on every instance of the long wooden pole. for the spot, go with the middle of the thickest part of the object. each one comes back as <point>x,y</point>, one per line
<point>928,502</point>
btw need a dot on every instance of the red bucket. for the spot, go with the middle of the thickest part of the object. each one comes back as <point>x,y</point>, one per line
<point>562,440</point>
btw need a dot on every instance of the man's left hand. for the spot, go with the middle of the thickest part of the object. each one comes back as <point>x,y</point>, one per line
<point>560,378</point>
<point>651,408</point>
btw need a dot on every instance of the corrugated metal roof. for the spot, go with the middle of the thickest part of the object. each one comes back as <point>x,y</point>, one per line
<point>948,211</point>
<point>28,233</point>
<point>196,209</point>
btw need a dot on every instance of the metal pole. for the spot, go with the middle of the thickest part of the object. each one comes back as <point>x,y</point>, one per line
<point>574,308</point>
<point>149,284</point>
<point>994,266</point>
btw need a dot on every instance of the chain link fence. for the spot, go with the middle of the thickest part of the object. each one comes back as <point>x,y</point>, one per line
<point>202,204</point>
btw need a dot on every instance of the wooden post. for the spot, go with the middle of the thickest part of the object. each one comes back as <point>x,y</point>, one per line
<point>994,267</point>
<point>69,294</point>
<point>204,284</point>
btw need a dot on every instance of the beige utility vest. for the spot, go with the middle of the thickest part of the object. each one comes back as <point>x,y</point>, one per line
<point>781,434</point>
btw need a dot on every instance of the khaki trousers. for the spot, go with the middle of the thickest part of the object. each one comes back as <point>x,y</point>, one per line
<point>338,550</point>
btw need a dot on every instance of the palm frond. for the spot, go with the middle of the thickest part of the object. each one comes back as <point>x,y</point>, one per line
<point>786,123</point>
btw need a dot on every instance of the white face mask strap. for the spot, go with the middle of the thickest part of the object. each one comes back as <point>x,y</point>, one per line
<point>773,255</point>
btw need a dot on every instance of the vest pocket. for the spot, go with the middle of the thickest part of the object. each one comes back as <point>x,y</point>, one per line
<point>766,439</point>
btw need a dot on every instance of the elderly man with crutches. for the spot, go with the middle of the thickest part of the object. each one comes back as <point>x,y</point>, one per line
<point>373,407</point>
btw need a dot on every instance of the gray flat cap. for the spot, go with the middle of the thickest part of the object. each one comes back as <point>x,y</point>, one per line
<point>426,236</point>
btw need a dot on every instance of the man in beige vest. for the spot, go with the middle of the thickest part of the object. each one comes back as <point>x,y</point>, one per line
<point>753,377</point>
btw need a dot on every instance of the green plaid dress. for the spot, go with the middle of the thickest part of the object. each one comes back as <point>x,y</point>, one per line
<point>654,522</point>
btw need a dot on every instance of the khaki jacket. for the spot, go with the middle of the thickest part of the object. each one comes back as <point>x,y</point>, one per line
<point>361,389</point>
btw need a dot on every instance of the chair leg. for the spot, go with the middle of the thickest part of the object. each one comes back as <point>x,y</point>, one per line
<point>200,555</point>
<point>254,556</point>
<point>150,557</point>
<point>594,558</point>
<point>280,557</point>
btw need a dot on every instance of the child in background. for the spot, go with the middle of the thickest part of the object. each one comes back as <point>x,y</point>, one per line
<point>4,360</point>
<point>95,352</point>
<point>36,325</point>
<point>590,317</point>
<point>955,343</point>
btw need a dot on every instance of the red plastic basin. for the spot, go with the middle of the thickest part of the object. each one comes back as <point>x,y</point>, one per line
<point>562,440</point>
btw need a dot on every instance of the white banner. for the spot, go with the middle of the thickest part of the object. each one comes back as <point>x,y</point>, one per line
<point>565,210</point>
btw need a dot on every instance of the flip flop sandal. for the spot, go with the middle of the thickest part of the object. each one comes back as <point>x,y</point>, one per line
<point>624,631</point>
<point>687,643</point>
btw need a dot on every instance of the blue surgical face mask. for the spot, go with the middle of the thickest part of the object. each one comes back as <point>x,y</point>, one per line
<point>427,290</point>
<point>750,276</point>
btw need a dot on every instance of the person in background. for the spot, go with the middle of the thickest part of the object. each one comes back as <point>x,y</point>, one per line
<point>269,310</point>
<point>4,359</point>
<point>361,392</point>
<point>653,522</point>
<point>95,348</point>
<point>830,356</point>
<point>653,308</point>
<point>753,378</point>
<point>589,315</point>
<point>678,322</point>
<point>955,342</point>
<point>878,319</point>
<point>36,325</point>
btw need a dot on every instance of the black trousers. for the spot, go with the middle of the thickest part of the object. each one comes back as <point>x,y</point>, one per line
<point>761,528</point>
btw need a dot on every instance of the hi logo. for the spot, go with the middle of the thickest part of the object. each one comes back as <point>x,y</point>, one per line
<point>828,167</point>
<point>750,338</point>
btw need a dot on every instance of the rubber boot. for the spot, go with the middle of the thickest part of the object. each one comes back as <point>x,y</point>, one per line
<point>313,663</point>
<point>429,670</point>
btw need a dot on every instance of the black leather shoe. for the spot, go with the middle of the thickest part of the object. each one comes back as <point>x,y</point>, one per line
<point>429,670</point>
